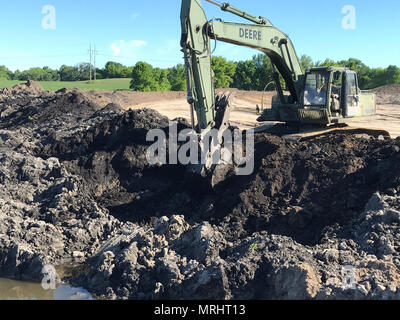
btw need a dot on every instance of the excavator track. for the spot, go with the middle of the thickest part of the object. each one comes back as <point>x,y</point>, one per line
<point>295,133</point>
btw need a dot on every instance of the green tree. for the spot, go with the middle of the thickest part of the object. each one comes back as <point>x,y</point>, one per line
<point>16,75</point>
<point>244,75</point>
<point>363,71</point>
<point>50,75</point>
<point>326,63</point>
<point>68,73</point>
<point>84,71</point>
<point>5,73</point>
<point>79,72</point>
<point>112,69</point>
<point>116,70</point>
<point>306,62</point>
<point>143,78</point>
<point>31,74</point>
<point>161,77</point>
<point>126,72</point>
<point>37,74</point>
<point>224,72</point>
<point>177,78</point>
<point>353,64</point>
<point>254,74</point>
<point>392,74</point>
<point>377,78</point>
<point>264,73</point>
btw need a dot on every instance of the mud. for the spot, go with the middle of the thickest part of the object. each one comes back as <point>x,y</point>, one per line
<point>78,192</point>
<point>21,290</point>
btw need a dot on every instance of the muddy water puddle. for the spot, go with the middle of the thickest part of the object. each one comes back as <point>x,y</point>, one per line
<point>20,290</point>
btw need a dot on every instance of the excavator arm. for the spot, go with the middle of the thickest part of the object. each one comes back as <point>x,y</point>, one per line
<point>267,39</point>
<point>199,75</point>
<point>197,35</point>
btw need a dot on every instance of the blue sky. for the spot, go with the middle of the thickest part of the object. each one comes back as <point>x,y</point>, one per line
<point>128,31</point>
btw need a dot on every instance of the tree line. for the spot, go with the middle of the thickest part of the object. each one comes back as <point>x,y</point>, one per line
<point>79,72</point>
<point>368,78</point>
<point>252,74</point>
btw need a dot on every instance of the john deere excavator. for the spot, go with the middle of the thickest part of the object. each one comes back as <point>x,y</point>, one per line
<point>326,97</point>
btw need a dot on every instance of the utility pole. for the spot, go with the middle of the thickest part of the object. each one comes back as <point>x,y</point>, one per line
<point>94,58</point>
<point>90,63</point>
<point>92,54</point>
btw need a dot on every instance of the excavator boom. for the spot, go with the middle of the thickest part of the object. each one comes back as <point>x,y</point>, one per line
<point>197,34</point>
<point>269,40</point>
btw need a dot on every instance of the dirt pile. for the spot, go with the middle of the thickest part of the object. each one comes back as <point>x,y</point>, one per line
<point>389,94</point>
<point>78,192</point>
<point>30,87</point>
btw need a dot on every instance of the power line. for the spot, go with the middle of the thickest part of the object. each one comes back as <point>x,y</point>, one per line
<point>44,56</point>
<point>134,58</point>
<point>93,53</point>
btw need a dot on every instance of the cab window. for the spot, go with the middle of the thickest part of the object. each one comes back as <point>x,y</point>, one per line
<point>316,88</point>
<point>351,84</point>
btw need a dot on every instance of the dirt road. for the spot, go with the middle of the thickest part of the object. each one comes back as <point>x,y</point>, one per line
<point>173,105</point>
<point>244,112</point>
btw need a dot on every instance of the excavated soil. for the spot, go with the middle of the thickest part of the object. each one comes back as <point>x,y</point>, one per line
<point>389,94</point>
<point>78,193</point>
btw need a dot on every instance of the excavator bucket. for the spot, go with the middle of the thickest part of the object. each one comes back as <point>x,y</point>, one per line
<point>210,171</point>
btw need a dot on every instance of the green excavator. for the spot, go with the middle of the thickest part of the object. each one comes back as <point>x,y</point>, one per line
<point>320,96</point>
<point>326,98</point>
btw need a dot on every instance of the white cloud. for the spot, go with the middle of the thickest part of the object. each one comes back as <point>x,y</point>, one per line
<point>126,48</point>
<point>137,43</point>
<point>115,49</point>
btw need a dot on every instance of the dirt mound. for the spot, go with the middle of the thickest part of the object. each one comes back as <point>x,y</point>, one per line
<point>299,189</point>
<point>130,99</point>
<point>79,193</point>
<point>389,94</point>
<point>53,110</point>
<point>30,87</point>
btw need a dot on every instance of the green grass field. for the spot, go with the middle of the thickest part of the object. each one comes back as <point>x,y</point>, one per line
<point>105,84</point>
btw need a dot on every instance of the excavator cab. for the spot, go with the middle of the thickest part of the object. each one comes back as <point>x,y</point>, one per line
<point>316,89</point>
<point>336,89</point>
<point>328,96</point>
